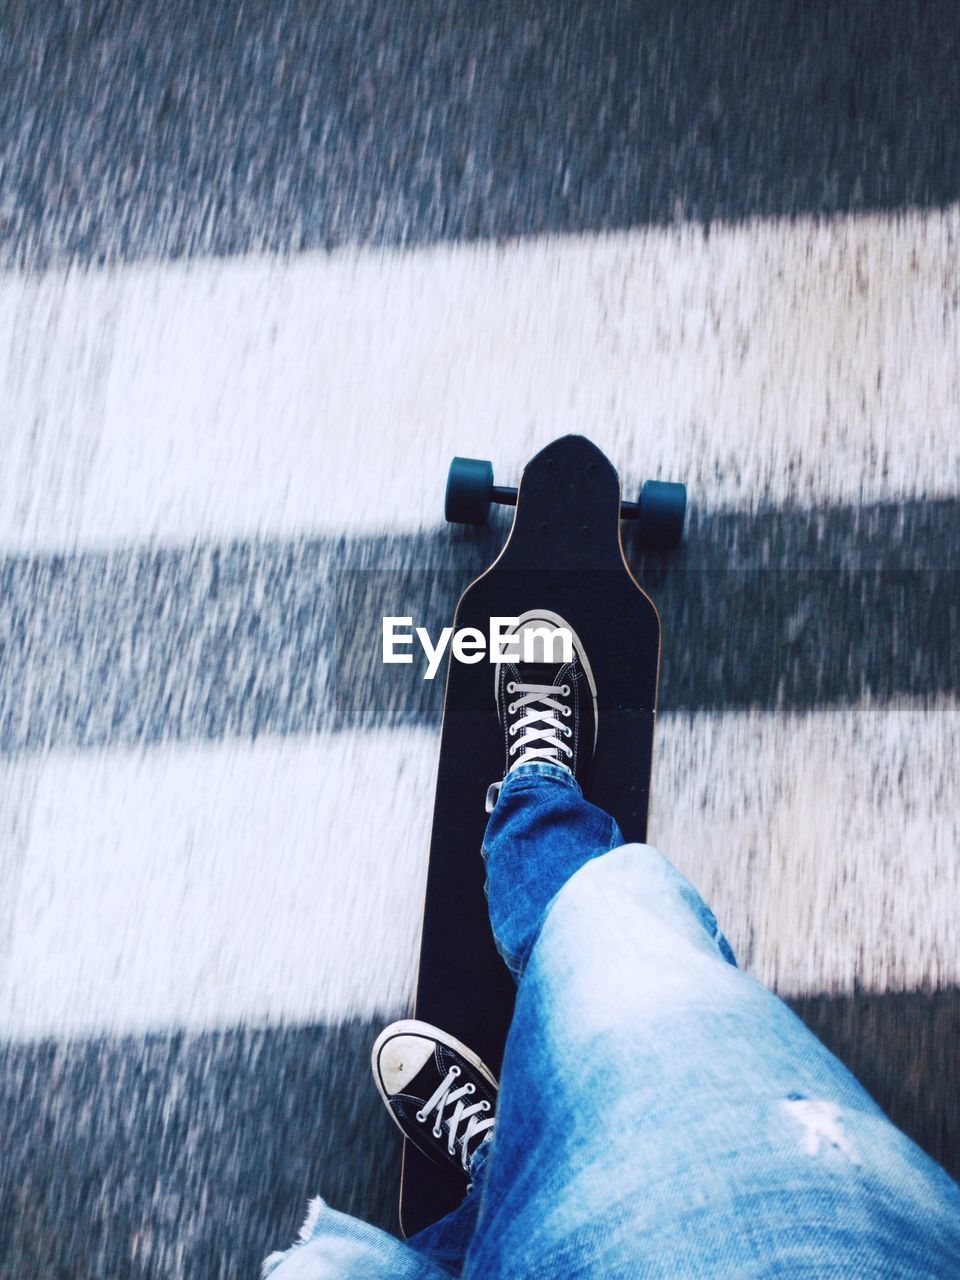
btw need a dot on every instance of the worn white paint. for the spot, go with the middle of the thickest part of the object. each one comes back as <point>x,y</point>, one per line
<point>282,881</point>
<point>783,361</point>
<point>825,842</point>
<point>210,886</point>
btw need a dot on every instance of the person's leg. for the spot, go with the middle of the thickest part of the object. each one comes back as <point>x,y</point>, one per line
<point>412,1061</point>
<point>540,832</point>
<point>335,1246</point>
<point>661,1114</point>
<point>574,831</point>
<point>445,1243</point>
<point>443,1099</point>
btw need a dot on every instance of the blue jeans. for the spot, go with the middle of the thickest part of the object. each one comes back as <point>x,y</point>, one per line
<point>661,1114</point>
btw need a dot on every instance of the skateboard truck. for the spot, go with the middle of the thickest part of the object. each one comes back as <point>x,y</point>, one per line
<point>660,512</point>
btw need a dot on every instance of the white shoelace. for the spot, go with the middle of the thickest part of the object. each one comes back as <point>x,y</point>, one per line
<point>446,1096</point>
<point>542,730</point>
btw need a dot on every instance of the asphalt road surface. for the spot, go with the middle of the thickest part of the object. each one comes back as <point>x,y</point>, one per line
<point>263,270</point>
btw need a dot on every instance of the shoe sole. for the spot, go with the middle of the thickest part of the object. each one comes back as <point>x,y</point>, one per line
<point>548,615</point>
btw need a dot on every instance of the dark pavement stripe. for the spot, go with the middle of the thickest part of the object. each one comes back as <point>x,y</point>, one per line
<point>902,1047</point>
<point>195,1155</point>
<point>167,128</point>
<point>777,610</point>
<point>185,1155</point>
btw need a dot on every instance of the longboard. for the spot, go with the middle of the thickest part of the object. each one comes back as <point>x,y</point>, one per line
<point>564,553</point>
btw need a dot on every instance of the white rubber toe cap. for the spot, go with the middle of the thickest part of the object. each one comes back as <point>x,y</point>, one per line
<point>401,1059</point>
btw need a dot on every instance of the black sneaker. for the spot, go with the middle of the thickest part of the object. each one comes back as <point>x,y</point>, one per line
<point>440,1094</point>
<point>547,708</point>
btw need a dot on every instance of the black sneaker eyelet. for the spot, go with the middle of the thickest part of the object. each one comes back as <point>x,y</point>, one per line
<point>484,1106</point>
<point>567,711</point>
<point>567,731</point>
<point>421,1116</point>
<point>454,1070</point>
<point>511,686</point>
<point>512,730</point>
<point>565,691</point>
<point>470,1088</point>
<point>511,709</point>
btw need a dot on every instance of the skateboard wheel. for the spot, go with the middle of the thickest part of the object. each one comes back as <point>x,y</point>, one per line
<point>663,509</point>
<point>469,491</point>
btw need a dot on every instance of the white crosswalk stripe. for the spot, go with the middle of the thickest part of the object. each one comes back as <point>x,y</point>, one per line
<point>792,362</point>
<point>238,884</point>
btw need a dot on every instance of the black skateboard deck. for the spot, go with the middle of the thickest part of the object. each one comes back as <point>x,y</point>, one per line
<point>564,553</point>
